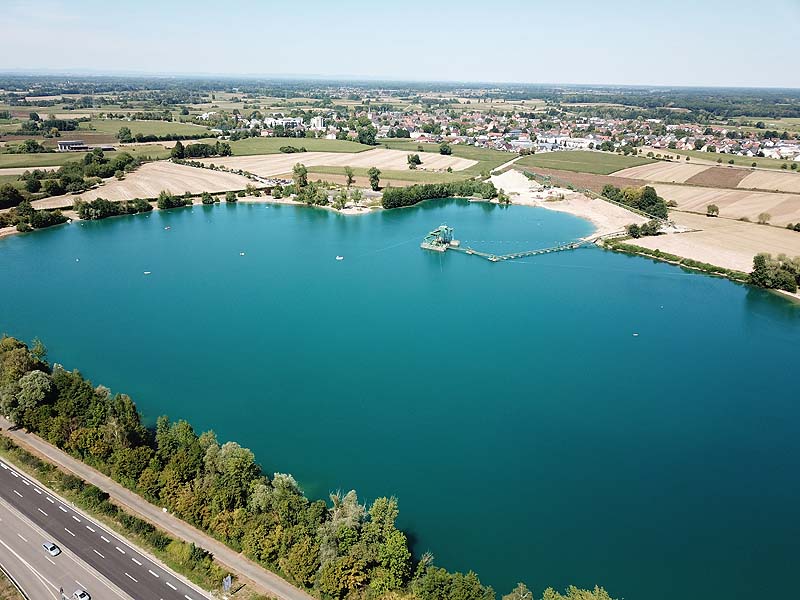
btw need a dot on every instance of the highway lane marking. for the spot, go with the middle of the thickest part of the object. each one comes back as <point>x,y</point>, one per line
<point>48,558</point>
<point>69,532</point>
<point>22,538</point>
<point>14,474</point>
<point>90,529</point>
<point>17,493</point>
<point>152,573</point>
<point>105,539</point>
<point>98,554</point>
<point>188,597</point>
<point>80,584</point>
<point>61,508</point>
<point>25,481</point>
<point>130,577</point>
<point>37,490</point>
<point>49,499</point>
<point>170,585</point>
<point>41,511</point>
<point>76,518</point>
<point>136,561</point>
<point>4,466</point>
<point>120,550</point>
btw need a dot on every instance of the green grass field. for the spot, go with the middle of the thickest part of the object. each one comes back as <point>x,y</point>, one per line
<point>580,161</point>
<point>741,161</point>
<point>266,145</point>
<point>54,159</point>
<point>112,127</point>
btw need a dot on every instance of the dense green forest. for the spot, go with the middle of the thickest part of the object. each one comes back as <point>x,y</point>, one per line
<point>337,550</point>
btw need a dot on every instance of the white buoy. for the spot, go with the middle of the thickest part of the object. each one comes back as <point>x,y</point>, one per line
<point>147,272</point>
<point>340,258</point>
<point>241,253</point>
<point>635,335</point>
<point>77,260</point>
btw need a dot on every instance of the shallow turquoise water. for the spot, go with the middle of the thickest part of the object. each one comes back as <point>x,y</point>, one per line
<point>527,433</point>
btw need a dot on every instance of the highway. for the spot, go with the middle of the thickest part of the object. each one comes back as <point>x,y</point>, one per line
<point>32,514</point>
<point>40,574</point>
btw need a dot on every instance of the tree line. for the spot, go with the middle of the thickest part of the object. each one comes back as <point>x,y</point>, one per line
<point>644,199</point>
<point>202,150</point>
<point>344,549</point>
<point>26,218</point>
<point>408,196</point>
<point>125,136</point>
<point>781,273</point>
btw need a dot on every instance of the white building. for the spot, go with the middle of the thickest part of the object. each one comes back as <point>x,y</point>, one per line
<point>317,123</point>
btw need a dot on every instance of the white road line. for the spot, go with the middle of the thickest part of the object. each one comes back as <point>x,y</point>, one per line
<point>170,585</point>
<point>76,518</point>
<point>61,508</point>
<point>17,493</point>
<point>51,562</point>
<point>37,490</point>
<point>22,538</point>
<point>152,573</point>
<point>188,597</point>
<point>120,550</point>
<point>14,474</point>
<point>4,466</point>
<point>90,529</point>
<point>49,499</point>
<point>80,584</point>
<point>105,539</point>
<point>136,561</point>
<point>129,576</point>
<point>69,532</point>
<point>98,554</point>
<point>25,481</point>
<point>41,511</point>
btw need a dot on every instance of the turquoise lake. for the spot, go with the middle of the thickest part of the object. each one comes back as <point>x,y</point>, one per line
<point>528,434</point>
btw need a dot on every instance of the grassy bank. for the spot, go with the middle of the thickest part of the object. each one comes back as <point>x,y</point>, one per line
<point>8,591</point>
<point>581,161</point>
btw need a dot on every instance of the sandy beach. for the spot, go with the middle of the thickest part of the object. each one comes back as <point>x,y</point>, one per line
<point>606,217</point>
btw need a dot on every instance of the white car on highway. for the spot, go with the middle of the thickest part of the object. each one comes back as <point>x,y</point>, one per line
<point>51,548</point>
<point>81,595</point>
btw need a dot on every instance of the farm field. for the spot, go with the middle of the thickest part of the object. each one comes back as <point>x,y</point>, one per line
<point>584,181</point>
<point>668,172</point>
<point>275,164</point>
<point>739,161</point>
<point>723,177</point>
<point>723,242</point>
<point>272,145</point>
<point>487,159</point>
<point>395,178</point>
<point>150,179</point>
<point>581,161</point>
<point>734,204</point>
<point>766,180</point>
<point>112,126</point>
<point>54,159</point>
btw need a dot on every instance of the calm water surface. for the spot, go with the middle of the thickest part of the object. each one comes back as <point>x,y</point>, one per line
<point>528,434</point>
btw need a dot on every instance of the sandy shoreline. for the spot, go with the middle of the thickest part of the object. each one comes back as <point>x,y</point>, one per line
<point>606,217</point>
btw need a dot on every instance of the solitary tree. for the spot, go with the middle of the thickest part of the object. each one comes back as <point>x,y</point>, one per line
<point>712,210</point>
<point>413,161</point>
<point>300,176</point>
<point>764,218</point>
<point>124,135</point>
<point>445,149</point>
<point>356,196</point>
<point>348,172</point>
<point>178,151</point>
<point>374,174</point>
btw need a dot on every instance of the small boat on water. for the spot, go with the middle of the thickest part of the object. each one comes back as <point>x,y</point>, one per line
<point>167,228</point>
<point>340,258</point>
<point>147,272</point>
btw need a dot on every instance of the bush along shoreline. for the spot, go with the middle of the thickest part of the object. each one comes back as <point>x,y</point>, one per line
<point>342,549</point>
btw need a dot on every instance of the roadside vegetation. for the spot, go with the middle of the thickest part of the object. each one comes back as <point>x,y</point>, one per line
<point>344,549</point>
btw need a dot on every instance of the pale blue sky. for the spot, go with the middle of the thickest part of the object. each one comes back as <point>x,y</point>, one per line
<point>698,42</point>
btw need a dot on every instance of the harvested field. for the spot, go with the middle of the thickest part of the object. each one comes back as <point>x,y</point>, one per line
<point>583,161</point>
<point>268,165</point>
<point>150,179</point>
<point>722,242</point>
<point>721,177</point>
<point>668,172</point>
<point>584,181</point>
<point>769,180</point>
<point>735,204</point>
